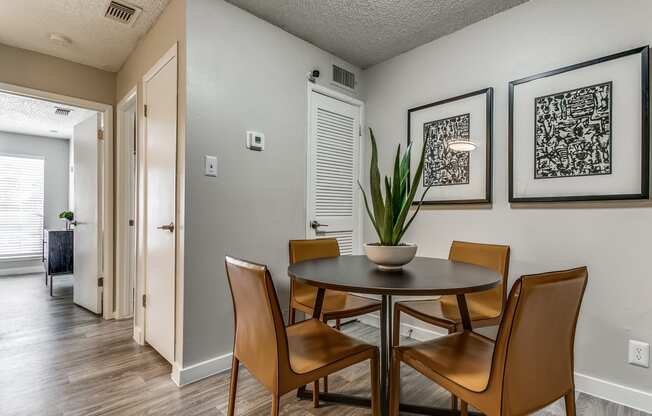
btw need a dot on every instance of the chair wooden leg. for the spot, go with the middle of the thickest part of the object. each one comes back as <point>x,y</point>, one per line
<point>395,385</point>
<point>293,316</point>
<point>315,394</point>
<point>375,385</point>
<point>275,404</point>
<point>464,408</point>
<point>326,384</point>
<point>338,324</point>
<point>570,403</point>
<point>396,332</point>
<point>234,386</point>
<point>453,402</point>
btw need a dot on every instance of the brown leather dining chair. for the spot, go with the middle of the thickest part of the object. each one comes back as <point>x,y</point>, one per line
<point>337,305</point>
<point>485,308</point>
<point>283,359</point>
<point>528,367</point>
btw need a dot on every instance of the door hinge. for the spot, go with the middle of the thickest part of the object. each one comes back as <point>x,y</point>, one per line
<point>145,110</point>
<point>360,130</point>
<point>100,135</point>
<point>144,301</point>
<point>100,282</point>
<point>132,223</point>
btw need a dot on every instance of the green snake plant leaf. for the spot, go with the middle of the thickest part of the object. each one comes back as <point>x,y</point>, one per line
<point>374,183</point>
<point>398,224</point>
<point>397,197</point>
<point>386,239</point>
<point>366,205</point>
<point>416,211</point>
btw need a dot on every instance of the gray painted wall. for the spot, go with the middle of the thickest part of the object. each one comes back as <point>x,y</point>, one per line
<point>56,154</point>
<point>243,74</point>
<point>613,241</point>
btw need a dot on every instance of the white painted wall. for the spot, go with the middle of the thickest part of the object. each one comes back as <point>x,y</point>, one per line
<point>614,241</point>
<point>243,74</point>
<point>55,152</point>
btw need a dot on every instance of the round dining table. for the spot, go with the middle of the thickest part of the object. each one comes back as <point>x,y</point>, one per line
<point>423,276</point>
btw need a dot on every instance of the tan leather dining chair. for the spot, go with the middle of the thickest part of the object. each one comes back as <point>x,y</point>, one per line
<point>528,367</point>
<point>280,358</point>
<point>337,305</point>
<point>485,308</point>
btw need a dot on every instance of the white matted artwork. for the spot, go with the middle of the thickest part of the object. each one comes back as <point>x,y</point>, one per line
<point>454,177</point>
<point>581,133</point>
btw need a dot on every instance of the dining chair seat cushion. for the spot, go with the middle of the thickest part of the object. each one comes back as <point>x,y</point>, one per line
<point>448,313</point>
<point>463,358</point>
<point>338,303</point>
<point>313,345</point>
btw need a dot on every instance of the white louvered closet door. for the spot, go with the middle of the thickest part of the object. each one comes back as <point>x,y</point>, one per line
<point>333,196</point>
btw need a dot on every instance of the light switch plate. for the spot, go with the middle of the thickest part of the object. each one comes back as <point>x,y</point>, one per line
<point>210,165</point>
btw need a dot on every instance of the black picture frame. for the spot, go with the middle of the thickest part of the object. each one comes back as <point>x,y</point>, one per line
<point>489,92</point>
<point>645,130</point>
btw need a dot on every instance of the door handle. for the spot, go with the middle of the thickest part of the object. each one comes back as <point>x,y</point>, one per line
<point>315,224</point>
<point>169,227</point>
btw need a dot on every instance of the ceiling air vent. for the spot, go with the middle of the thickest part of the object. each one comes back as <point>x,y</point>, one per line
<point>122,12</point>
<point>60,111</point>
<point>343,77</point>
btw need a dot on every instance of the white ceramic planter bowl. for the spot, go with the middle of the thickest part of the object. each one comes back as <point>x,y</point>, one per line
<point>390,257</point>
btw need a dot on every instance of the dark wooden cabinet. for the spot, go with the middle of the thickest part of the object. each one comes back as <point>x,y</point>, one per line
<point>58,255</point>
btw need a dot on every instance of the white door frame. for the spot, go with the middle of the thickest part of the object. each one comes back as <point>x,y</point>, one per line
<point>313,87</point>
<point>124,198</point>
<point>141,213</point>
<point>106,171</point>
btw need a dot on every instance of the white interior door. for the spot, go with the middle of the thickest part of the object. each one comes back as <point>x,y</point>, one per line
<point>334,149</point>
<point>87,154</point>
<point>161,155</point>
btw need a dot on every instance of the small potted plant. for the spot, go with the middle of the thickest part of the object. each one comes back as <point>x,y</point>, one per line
<point>391,212</point>
<point>68,216</point>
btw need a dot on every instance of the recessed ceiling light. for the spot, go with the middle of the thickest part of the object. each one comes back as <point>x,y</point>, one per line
<point>59,39</point>
<point>54,131</point>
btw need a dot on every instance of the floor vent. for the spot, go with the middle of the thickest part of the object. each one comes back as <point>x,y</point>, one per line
<point>123,13</point>
<point>343,77</point>
<point>60,111</point>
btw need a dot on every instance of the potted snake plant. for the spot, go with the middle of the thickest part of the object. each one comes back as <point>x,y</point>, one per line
<point>389,214</point>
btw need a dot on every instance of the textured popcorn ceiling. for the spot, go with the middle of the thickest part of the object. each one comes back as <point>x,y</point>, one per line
<point>366,32</point>
<point>96,41</point>
<point>31,116</point>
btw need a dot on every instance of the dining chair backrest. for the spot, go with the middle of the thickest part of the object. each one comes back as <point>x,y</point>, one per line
<point>533,356</point>
<point>490,256</point>
<point>260,337</point>
<point>301,250</point>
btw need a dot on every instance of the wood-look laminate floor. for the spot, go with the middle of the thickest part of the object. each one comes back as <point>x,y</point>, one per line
<point>59,359</point>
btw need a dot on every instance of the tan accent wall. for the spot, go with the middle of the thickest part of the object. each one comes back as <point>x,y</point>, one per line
<point>169,29</point>
<point>46,73</point>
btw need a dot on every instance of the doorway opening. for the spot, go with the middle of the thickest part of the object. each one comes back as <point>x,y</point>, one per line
<point>55,164</point>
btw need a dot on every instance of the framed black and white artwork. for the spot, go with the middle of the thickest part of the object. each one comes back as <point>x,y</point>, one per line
<point>581,133</point>
<point>454,176</point>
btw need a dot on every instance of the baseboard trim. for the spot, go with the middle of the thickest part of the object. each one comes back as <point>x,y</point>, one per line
<point>199,371</point>
<point>616,393</point>
<point>14,271</point>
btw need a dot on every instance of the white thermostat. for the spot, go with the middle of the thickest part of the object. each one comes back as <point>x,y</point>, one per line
<point>255,141</point>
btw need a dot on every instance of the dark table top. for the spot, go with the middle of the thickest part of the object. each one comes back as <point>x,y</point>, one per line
<point>422,276</point>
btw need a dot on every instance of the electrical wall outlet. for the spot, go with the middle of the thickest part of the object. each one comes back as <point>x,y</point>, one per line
<point>639,353</point>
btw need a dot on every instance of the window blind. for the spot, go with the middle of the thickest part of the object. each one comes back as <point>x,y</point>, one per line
<point>21,206</point>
